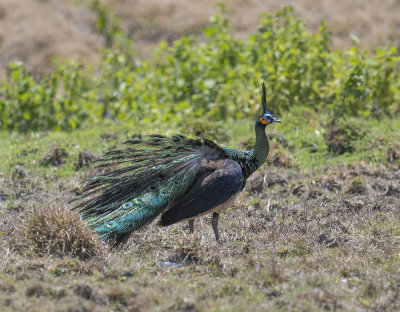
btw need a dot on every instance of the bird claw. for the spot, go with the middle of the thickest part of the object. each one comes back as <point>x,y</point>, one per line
<point>191,226</point>
<point>214,223</point>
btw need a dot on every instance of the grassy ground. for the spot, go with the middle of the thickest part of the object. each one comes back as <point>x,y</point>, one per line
<point>312,231</point>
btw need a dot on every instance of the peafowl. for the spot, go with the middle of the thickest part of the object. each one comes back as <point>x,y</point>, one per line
<point>177,177</point>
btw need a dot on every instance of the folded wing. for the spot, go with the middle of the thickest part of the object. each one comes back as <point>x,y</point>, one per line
<point>219,181</point>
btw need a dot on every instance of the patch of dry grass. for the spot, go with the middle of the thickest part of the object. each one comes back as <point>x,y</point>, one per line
<point>56,231</point>
<point>295,240</point>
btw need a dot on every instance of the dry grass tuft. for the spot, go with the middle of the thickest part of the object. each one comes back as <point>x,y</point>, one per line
<point>35,290</point>
<point>55,157</point>
<point>189,251</point>
<point>59,231</point>
<point>279,158</point>
<point>340,138</point>
<point>7,286</point>
<point>84,291</point>
<point>120,295</point>
<point>393,153</point>
<point>357,186</point>
<point>85,158</point>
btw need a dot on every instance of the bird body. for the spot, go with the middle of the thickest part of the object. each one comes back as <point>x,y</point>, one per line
<point>177,177</point>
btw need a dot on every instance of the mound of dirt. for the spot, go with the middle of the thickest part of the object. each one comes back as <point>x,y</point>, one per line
<point>340,138</point>
<point>35,32</point>
<point>279,158</point>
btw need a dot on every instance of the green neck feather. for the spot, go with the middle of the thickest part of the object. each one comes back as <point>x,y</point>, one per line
<point>261,148</point>
<point>251,160</point>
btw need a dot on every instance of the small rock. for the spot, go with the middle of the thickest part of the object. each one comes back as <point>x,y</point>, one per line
<point>322,238</point>
<point>169,264</point>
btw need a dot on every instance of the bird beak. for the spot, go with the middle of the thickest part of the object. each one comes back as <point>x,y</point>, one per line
<point>276,120</point>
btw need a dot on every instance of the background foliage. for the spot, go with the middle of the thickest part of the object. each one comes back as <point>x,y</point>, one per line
<point>218,79</point>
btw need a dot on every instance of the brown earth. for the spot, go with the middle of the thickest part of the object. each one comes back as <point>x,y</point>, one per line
<point>292,242</point>
<point>37,31</point>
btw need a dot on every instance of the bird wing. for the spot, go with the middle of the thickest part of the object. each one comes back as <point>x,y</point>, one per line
<point>142,181</point>
<point>219,182</point>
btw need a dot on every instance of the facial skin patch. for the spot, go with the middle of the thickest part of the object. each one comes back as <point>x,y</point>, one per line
<point>263,121</point>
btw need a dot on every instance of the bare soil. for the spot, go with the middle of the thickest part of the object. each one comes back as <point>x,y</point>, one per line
<point>293,241</point>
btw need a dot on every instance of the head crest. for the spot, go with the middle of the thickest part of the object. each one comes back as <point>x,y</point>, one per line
<point>264,98</point>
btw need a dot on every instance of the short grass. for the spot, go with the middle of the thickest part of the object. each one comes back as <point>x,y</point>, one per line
<point>312,231</point>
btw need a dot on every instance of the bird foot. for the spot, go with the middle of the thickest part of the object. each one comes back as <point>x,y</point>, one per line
<point>191,226</point>
<point>214,222</point>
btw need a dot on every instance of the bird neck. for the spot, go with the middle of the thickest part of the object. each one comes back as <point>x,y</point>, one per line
<point>260,150</point>
<point>251,160</point>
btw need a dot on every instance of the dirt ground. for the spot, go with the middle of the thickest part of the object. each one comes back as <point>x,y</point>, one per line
<point>292,242</point>
<point>38,31</point>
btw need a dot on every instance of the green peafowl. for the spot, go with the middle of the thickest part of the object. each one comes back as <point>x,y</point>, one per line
<point>177,177</point>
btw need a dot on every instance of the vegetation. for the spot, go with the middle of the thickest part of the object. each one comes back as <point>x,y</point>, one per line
<point>216,80</point>
<point>316,229</point>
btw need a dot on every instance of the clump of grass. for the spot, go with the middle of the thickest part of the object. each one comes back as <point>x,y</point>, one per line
<point>14,206</point>
<point>279,158</point>
<point>84,159</point>
<point>274,274</point>
<point>59,231</point>
<point>393,153</point>
<point>120,296</point>
<point>357,186</point>
<point>7,286</point>
<point>340,138</point>
<point>84,291</point>
<point>56,157</point>
<point>34,290</point>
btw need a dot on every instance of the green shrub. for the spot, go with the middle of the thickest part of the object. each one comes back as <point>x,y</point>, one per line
<point>218,79</point>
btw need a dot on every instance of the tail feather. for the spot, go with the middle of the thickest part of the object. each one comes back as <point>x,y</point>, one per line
<point>146,177</point>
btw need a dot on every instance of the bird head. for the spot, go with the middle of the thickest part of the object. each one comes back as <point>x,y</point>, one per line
<point>266,117</point>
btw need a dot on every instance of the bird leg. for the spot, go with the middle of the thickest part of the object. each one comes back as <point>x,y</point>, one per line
<point>214,223</point>
<point>191,226</point>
